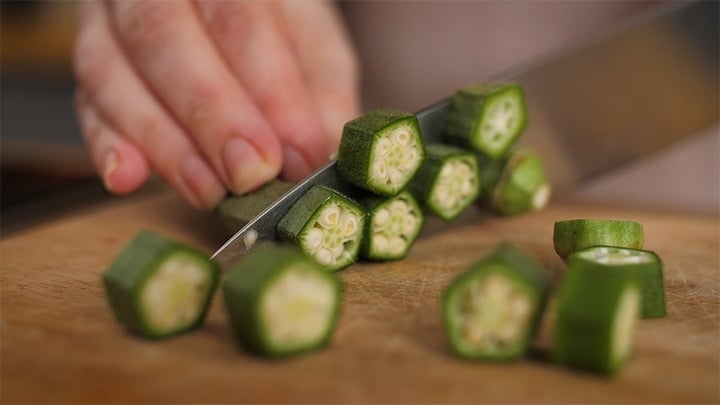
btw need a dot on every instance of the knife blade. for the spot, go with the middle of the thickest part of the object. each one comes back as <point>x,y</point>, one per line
<point>627,93</point>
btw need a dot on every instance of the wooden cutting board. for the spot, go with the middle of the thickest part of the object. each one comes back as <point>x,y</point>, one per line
<point>60,342</point>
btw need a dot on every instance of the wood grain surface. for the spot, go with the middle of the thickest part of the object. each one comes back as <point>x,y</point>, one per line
<point>60,343</point>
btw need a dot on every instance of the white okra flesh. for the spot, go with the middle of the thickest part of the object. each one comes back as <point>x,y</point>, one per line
<point>501,119</point>
<point>297,308</point>
<point>331,238</point>
<point>616,256</point>
<point>174,295</point>
<point>395,157</point>
<point>454,185</point>
<point>394,227</point>
<point>627,313</point>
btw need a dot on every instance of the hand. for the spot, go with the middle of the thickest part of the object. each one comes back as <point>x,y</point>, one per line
<point>213,95</point>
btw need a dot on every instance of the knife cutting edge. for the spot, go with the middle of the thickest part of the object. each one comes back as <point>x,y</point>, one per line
<point>597,106</point>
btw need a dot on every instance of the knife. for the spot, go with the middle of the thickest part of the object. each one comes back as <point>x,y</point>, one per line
<point>627,93</point>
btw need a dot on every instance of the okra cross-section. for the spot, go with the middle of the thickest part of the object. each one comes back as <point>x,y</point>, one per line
<point>281,303</point>
<point>492,310</point>
<point>596,312</point>
<point>158,287</point>
<point>381,151</point>
<point>576,234</point>
<point>326,225</point>
<point>393,224</point>
<point>644,264</point>
<point>522,185</point>
<point>448,180</point>
<point>487,118</point>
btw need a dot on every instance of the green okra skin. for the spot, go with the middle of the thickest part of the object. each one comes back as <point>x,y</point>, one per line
<point>597,307</point>
<point>577,234</point>
<point>237,210</point>
<point>492,310</point>
<point>488,118</point>
<point>645,265</point>
<point>448,180</point>
<point>523,185</point>
<point>280,303</point>
<point>158,287</point>
<point>380,151</point>
<point>326,225</point>
<point>392,225</point>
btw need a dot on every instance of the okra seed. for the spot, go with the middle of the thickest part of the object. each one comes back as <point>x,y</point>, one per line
<point>401,136</point>
<point>397,245</point>
<point>380,169</point>
<point>398,208</point>
<point>409,224</point>
<point>396,176</point>
<point>382,216</point>
<point>324,256</point>
<point>349,224</point>
<point>383,146</point>
<point>330,217</point>
<point>314,239</point>
<point>541,197</point>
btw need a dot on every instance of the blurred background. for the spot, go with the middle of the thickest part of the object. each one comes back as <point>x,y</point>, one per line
<point>412,54</point>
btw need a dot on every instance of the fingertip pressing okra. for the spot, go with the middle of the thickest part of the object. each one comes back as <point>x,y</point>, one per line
<point>280,303</point>
<point>577,234</point>
<point>448,180</point>
<point>492,310</point>
<point>597,308</point>
<point>487,118</point>
<point>393,224</point>
<point>157,287</point>
<point>522,185</point>
<point>326,225</point>
<point>381,151</point>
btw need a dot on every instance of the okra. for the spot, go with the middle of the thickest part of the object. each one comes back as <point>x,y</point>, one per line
<point>596,313</point>
<point>644,264</point>
<point>280,303</point>
<point>577,234</point>
<point>393,224</point>
<point>381,151</point>
<point>448,180</point>
<point>237,210</point>
<point>492,310</point>
<point>326,225</point>
<point>521,186</point>
<point>157,287</point>
<point>487,118</point>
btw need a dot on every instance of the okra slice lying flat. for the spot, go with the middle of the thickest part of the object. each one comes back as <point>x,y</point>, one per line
<point>280,303</point>
<point>487,118</point>
<point>492,310</point>
<point>157,287</point>
<point>522,185</point>
<point>392,226</point>
<point>577,234</point>
<point>381,151</point>
<point>237,210</point>
<point>596,312</point>
<point>644,264</point>
<point>448,180</point>
<point>326,225</point>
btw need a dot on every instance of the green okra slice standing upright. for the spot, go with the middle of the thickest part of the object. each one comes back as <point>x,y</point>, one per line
<point>487,118</point>
<point>521,186</point>
<point>392,226</point>
<point>597,307</point>
<point>157,287</point>
<point>326,225</point>
<point>237,210</point>
<point>381,151</point>
<point>492,310</point>
<point>280,303</point>
<point>448,180</point>
<point>577,234</point>
<point>644,264</point>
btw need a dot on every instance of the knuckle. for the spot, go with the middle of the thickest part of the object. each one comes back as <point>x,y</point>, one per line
<point>233,21</point>
<point>143,25</point>
<point>91,65</point>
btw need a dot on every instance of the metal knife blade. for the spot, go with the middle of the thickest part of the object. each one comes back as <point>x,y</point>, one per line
<point>592,107</point>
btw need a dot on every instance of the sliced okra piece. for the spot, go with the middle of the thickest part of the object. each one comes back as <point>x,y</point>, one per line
<point>237,210</point>
<point>326,225</point>
<point>644,264</point>
<point>596,310</point>
<point>522,185</point>
<point>381,151</point>
<point>577,234</point>
<point>281,303</point>
<point>487,118</point>
<point>157,287</point>
<point>492,310</point>
<point>392,226</point>
<point>448,180</point>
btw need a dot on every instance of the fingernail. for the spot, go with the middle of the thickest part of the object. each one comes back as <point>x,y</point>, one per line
<point>247,169</point>
<point>111,163</point>
<point>295,166</point>
<point>202,182</point>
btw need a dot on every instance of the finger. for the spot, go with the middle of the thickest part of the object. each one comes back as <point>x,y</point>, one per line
<point>124,102</point>
<point>174,55</point>
<point>327,59</point>
<point>122,166</point>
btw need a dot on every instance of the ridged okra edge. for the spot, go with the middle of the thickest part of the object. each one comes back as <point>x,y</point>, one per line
<point>576,234</point>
